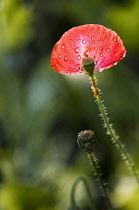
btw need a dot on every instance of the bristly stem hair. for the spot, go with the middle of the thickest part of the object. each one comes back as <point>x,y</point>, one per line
<point>86,141</point>
<point>95,166</point>
<point>110,131</point>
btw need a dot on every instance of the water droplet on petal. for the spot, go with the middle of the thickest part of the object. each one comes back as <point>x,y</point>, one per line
<point>77,49</point>
<point>79,40</point>
<point>72,73</point>
<point>108,49</point>
<point>59,56</point>
<point>124,54</point>
<point>92,37</point>
<point>79,57</point>
<point>115,39</point>
<point>101,48</point>
<point>53,56</point>
<point>63,46</point>
<point>101,54</point>
<point>107,37</point>
<point>71,34</point>
<point>115,63</point>
<point>104,31</point>
<point>80,71</point>
<point>84,41</point>
<point>101,39</point>
<point>93,42</point>
<point>66,58</point>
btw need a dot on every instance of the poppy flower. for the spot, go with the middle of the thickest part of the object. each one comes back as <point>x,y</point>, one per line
<point>93,41</point>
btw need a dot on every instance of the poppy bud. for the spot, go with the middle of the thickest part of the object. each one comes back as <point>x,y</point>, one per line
<point>86,140</point>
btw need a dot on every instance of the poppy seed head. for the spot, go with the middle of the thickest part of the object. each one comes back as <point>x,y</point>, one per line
<point>86,140</point>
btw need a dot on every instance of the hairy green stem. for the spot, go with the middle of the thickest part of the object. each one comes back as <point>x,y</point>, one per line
<point>98,176</point>
<point>110,131</point>
<point>74,186</point>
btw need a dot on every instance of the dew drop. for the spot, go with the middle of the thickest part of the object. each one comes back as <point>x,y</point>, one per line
<point>101,39</point>
<point>101,54</point>
<point>59,56</point>
<point>57,65</point>
<point>92,37</point>
<point>124,54</point>
<point>115,63</point>
<point>93,42</point>
<point>104,31</point>
<point>53,57</point>
<point>107,37</point>
<point>84,41</point>
<point>110,31</point>
<point>79,57</point>
<point>108,49</point>
<point>115,39</point>
<point>101,48</point>
<point>80,71</point>
<point>72,73</point>
<point>66,58</point>
<point>71,34</point>
<point>79,40</point>
<point>63,46</point>
<point>77,49</point>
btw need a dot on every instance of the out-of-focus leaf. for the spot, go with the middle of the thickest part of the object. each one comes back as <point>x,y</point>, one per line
<point>15,25</point>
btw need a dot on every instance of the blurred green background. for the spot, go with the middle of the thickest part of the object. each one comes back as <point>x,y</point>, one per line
<point>42,111</point>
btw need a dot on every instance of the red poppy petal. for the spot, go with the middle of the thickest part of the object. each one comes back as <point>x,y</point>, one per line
<point>101,44</point>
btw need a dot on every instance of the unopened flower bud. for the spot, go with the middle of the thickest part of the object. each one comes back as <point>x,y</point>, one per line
<point>86,140</point>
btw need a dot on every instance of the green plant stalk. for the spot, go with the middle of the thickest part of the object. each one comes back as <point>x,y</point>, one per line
<point>74,186</point>
<point>110,131</point>
<point>103,188</point>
